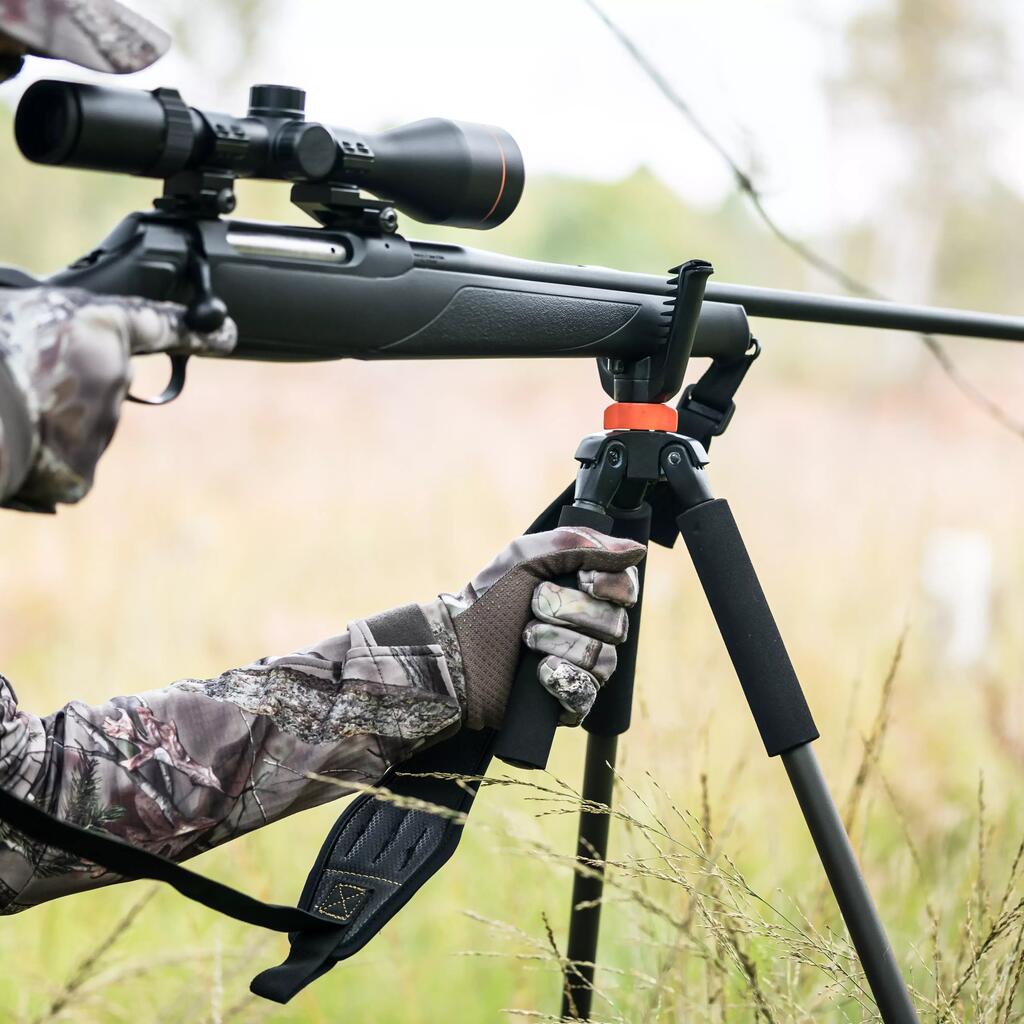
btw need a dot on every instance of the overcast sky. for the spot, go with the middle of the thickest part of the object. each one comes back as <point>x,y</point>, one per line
<point>552,74</point>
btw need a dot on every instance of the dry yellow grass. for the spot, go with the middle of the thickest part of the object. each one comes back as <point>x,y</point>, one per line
<point>272,504</point>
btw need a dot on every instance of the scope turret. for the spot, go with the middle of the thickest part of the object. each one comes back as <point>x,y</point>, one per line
<point>438,171</point>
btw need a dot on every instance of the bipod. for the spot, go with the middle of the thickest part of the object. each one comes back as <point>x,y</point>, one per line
<point>622,472</point>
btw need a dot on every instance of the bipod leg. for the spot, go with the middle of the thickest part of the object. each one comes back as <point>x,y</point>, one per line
<point>609,718</point>
<point>777,703</point>
<point>588,884</point>
<point>851,891</point>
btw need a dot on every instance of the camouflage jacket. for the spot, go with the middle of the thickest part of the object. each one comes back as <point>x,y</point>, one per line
<point>180,770</point>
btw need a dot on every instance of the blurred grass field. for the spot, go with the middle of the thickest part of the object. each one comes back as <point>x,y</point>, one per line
<point>272,504</point>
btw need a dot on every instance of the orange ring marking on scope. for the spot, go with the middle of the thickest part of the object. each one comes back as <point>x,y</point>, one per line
<point>501,187</point>
<point>640,416</point>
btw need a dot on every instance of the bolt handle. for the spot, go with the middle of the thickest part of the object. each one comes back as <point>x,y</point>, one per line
<point>532,714</point>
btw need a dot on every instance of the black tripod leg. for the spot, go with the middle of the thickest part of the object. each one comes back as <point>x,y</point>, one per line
<point>609,718</point>
<point>587,889</point>
<point>783,718</point>
<point>855,904</point>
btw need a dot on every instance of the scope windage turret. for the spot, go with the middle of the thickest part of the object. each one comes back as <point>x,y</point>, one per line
<point>438,171</point>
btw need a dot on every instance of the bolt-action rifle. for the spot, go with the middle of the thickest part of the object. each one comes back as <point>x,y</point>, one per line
<point>353,287</point>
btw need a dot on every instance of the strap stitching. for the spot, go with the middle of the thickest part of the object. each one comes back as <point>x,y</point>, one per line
<point>360,874</point>
<point>342,901</point>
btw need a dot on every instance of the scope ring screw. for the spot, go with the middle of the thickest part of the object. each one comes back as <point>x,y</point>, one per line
<point>388,220</point>
<point>615,456</point>
<point>225,201</point>
<point>674,458</point>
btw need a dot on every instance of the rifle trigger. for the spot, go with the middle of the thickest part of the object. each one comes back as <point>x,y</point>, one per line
<point>175,385</point>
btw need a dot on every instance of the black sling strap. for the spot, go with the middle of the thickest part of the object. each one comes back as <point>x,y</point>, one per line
<point>130,862</point>
<point>377,856</point>
<point>706,408</point>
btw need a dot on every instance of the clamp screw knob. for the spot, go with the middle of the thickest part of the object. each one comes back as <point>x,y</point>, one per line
<point>388,220</point>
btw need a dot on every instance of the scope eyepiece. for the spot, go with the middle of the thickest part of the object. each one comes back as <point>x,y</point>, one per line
<point>437,171</point>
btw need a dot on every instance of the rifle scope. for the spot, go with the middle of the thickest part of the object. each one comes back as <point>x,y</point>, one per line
<point>435,170</point>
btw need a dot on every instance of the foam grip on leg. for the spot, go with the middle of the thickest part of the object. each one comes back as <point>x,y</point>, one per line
<point>613,708</point>
<point>747,626</point>
<point>531,718</point>
<point>532,714</point>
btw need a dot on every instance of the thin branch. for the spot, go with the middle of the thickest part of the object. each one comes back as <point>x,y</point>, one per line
<point>745,185</point>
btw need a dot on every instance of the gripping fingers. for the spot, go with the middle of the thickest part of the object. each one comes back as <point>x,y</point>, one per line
<point>151,327</point>
<point>220,342</point>
<point>622,588</point>
<point>573,687</point>
<point>566,606</point>
<point>594,656</point>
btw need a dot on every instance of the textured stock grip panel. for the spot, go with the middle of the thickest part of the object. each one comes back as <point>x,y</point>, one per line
<point>747,626</point>
<point>510,323</point>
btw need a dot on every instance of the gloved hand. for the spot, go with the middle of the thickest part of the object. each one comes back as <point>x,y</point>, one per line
<point>67,352</point>
<point>481,629</point>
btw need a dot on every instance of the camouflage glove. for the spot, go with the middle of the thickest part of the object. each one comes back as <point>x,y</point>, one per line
<point>99,34</point>
<point>65,354</point>
<point>481,629</point>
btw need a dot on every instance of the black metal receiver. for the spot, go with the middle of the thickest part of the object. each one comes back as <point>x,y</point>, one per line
<point>354,288</point>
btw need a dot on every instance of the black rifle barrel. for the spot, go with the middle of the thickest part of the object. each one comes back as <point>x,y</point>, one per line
<point>852,312</point>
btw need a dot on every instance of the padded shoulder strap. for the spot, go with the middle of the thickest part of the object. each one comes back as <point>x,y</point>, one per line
<point>377,856</point>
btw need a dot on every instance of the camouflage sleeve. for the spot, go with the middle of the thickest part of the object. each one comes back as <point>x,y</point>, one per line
<point>180,770</point>
<point>15,435</point>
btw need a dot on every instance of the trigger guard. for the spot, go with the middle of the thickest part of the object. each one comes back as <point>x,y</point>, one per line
<point>175,385</point>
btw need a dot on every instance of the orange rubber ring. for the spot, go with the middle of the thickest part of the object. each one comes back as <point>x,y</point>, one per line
<point>640,416</point>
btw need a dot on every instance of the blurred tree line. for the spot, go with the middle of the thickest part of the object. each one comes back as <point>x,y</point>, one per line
<point>936,76</point>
